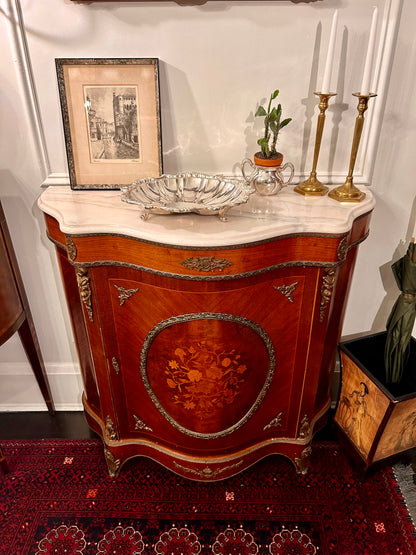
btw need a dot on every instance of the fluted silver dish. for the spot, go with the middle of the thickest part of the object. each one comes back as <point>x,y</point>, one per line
<point>187,192</point>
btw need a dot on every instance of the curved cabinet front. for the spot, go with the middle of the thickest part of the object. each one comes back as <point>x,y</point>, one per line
<point>207,360</point>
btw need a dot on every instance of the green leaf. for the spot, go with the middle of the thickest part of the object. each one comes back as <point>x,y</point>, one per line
<point>285,122</point>
<point>273,115</point>
<point>261,111</point>
<point>274,95</point>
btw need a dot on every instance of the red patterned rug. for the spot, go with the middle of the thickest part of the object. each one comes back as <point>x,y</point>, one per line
<point>58,499</point>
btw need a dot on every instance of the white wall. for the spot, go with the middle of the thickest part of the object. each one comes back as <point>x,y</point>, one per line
<point>217,61</point>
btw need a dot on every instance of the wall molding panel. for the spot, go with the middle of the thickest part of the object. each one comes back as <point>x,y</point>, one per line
<point>383,61</point>
<point>23,64</point>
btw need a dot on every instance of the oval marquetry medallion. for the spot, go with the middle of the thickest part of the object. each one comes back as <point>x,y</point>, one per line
<point>207,372</point>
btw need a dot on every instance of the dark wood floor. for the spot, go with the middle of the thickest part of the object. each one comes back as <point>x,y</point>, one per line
<point>41,425</point>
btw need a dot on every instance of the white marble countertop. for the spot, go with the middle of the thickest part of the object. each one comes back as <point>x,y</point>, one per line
<point>85,212</point>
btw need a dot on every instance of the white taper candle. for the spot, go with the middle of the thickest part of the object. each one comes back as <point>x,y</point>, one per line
<point>330,55</point>
<point>365,85</point>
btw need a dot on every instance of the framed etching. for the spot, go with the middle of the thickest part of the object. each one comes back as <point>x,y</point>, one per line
<point>111,118</point>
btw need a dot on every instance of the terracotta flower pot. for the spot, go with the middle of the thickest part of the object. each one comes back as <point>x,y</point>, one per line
<point>273,161</point>
<point>377,421</point>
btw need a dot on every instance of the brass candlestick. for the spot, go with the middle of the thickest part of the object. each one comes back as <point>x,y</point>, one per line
<point>349,192</point>
<point>312,186</point>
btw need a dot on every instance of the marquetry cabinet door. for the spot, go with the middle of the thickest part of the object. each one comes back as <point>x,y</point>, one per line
<point>191,361</point>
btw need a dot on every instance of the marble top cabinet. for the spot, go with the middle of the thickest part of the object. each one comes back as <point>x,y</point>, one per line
<point>206,345</point>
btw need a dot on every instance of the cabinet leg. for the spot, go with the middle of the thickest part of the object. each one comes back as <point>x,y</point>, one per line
<point>302,462</point>
<point>3,463</point>
<point>113,464</point>
<point>31,346</point>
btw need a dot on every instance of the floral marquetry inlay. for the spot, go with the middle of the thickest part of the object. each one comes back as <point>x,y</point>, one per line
<point>203,376</point>
<point>216,370</point>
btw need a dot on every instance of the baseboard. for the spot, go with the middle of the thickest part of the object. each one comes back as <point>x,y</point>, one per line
<point>20,392</point>
<point>40,408</point>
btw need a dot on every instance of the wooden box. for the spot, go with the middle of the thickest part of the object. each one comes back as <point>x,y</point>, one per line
<point>377,421</point>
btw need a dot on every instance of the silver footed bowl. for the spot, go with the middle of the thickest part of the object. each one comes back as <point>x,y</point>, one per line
<point>187,192</point>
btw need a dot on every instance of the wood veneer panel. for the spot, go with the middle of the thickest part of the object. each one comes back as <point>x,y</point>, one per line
<point>79,330</point>
<point>54,231</point>
<point>290,250</point>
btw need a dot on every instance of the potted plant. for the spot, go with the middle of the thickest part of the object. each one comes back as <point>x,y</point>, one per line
<point>376,411</point>
<point>273,124</point>
<point>266,173</point>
